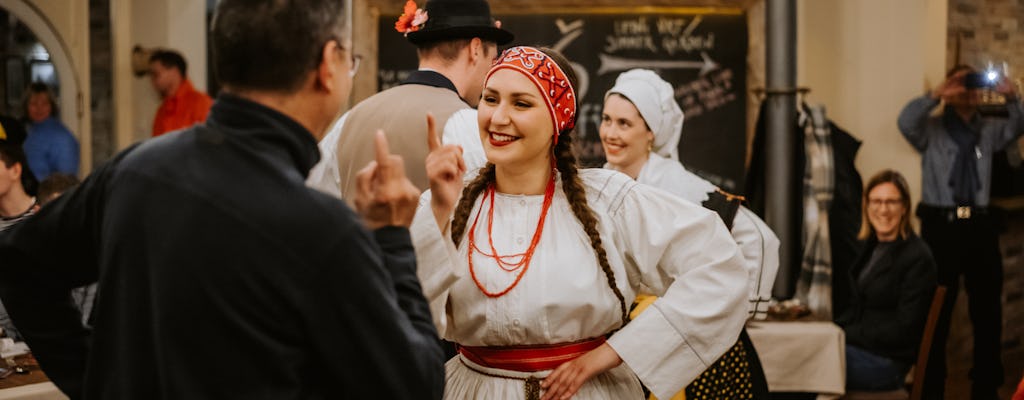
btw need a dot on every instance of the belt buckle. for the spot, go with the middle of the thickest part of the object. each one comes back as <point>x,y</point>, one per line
<point>963,212</point>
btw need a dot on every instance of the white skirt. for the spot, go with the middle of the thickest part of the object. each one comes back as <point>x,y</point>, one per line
<point>465,379</point>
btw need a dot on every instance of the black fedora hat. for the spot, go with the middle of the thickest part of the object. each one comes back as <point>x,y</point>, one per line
<point>459,19</point>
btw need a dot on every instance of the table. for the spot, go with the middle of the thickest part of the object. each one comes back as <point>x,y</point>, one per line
<point>801,356</point>
<point>31,386</point>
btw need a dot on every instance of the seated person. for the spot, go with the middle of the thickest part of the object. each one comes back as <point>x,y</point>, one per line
<point>892,284</point>
<point>16,201</point>
<point>50,147</point>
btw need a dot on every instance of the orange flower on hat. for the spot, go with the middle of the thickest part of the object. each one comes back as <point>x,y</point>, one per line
<point>412,18</point>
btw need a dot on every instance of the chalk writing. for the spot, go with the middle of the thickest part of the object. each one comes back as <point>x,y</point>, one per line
<point>707,93</point>
<point>632,26</point>
<point>631,42</point>
<point>688,44</point>
<point>670,35</point>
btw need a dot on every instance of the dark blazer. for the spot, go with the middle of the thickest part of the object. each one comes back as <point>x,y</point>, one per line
<point>887,313</point>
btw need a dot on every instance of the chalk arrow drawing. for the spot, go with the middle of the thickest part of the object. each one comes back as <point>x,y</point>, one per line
<point>614,64</point>
<point>564,27</point>
<point>570,31</point>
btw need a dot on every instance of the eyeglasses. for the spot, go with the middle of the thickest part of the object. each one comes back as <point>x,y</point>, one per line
<point>886,203</point>
<point>356,59</point>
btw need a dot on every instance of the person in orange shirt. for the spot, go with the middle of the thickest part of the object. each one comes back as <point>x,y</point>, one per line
<point>183,105</point>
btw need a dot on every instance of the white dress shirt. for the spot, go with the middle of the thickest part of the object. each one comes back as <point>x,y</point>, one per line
<point>461,129</point>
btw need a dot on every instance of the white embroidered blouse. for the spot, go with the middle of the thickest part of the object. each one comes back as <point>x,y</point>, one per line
<point>656,243</point>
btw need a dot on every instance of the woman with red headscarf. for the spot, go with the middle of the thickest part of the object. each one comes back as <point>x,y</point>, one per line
<point>528,264</point>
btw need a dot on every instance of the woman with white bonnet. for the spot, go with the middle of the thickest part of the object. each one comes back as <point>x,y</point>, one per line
<point>640,129</point>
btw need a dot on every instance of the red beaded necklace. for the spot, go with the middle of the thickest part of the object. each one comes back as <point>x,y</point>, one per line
<point>524,262</point>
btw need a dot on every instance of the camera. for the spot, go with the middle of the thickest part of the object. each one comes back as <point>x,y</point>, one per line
<point>979,80</point>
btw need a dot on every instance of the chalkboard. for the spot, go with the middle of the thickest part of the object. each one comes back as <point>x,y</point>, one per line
<point>703,55</point>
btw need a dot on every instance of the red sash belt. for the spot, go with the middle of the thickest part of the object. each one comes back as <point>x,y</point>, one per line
<point>530,358</point>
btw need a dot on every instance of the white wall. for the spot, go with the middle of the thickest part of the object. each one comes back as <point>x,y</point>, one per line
<point>175,24</point>
<point>864,60</point>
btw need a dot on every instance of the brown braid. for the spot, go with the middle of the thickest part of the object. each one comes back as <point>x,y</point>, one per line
<point>469,195</point>
<point>577,196</point>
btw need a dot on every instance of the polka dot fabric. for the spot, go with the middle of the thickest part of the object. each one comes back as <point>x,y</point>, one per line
<point>728,378</point>
<point>732,377</point>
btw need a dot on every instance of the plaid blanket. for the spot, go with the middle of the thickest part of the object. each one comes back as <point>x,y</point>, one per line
<point>814,285</point>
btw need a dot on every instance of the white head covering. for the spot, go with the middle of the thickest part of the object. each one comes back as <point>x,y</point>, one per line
<point>655,99</point>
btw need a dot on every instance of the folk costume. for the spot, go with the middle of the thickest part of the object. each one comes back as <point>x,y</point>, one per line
<point>523,291</point>
<point>738,374</point>
<point>401,111</point>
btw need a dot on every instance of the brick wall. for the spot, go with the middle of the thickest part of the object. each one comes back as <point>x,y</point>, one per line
<point>1012,244</point>
<point>991,31</point>
<point>960,346</point>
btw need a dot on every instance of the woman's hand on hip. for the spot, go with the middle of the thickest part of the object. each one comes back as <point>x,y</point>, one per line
<point>563,383</point>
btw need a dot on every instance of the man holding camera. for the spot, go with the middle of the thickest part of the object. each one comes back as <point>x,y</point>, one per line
<point>956,160</point>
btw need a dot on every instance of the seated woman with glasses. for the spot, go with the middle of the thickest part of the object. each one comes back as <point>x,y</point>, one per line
<point>891,286</point>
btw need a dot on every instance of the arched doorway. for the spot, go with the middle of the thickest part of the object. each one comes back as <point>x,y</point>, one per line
<point>60,60</point>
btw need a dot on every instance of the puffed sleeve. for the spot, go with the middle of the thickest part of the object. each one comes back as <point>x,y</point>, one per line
<point>436,260</point>
<point>684,254</point>
<point>462,129</point>
<point>760,249</point>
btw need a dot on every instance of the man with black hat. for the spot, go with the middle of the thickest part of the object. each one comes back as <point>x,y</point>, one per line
<point>221,274</point>
<point>456,42</point>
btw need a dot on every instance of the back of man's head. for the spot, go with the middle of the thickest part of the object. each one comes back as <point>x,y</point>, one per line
<point>444,51</point>
<point>170,59</point>
<point>273,45</point>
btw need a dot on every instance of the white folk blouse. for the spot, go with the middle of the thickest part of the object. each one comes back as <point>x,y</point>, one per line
<point>656,243</point>
<point>759,245</point>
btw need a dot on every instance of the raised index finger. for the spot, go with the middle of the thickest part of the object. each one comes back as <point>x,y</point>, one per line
<point>383,153</point>
<point>433,141</point>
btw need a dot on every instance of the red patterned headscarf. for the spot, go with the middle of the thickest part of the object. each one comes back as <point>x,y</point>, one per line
<point>552,82</point>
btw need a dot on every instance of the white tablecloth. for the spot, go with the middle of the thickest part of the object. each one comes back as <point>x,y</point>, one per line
<point>35,391</point>
<point>801,356</point>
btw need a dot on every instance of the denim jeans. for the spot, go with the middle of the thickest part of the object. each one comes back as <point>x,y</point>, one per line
<point>871,372</point>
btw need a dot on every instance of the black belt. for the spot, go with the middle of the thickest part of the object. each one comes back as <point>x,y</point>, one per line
<point>951,213</point>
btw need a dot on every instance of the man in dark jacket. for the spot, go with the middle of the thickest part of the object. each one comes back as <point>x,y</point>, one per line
<point>221,275</point>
